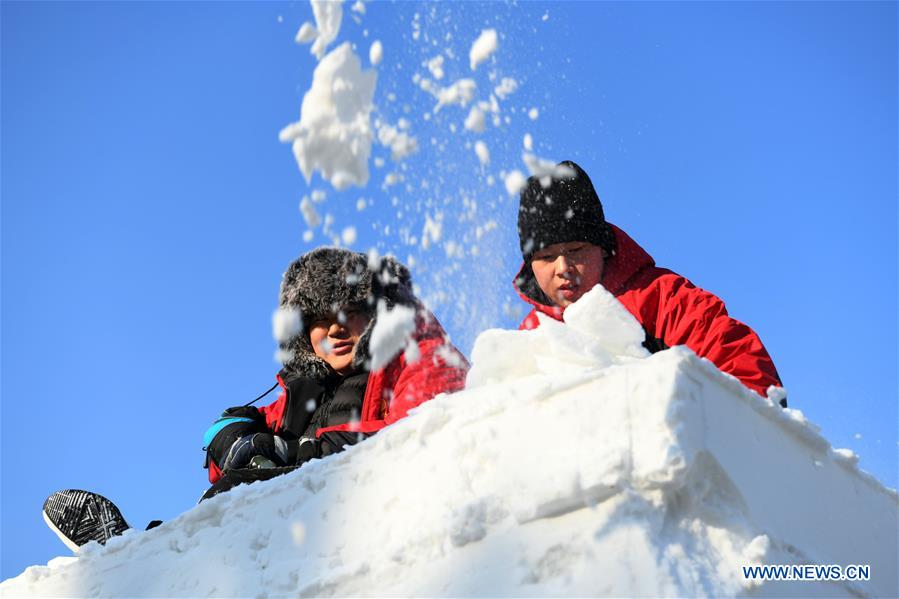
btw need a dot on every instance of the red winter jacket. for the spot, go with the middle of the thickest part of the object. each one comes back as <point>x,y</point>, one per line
<point>398,387</point>
<point>672,311</point>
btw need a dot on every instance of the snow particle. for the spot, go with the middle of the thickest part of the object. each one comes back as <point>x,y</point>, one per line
<point>310,215</point>
<point>392,330</point>
<point>348,236</point>
<point>514,182</point>
<point>287,323</point>
<point>376,53</point>
<point>306,34</point>
<point>528,142</point>
<point>533,113</point>
<point>475,120</point>
<point>328,15</point>
<point>482,48</point>
<point>435,66</point>
<point>505,88</point>
<point>480,148</point>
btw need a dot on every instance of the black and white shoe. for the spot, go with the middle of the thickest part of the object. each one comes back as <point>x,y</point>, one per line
<point>79,517</point>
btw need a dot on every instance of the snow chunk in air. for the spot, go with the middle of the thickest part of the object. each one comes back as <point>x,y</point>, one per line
<point>480,148</point>
<point>306,34</point>
<point>401,144</point>
<point>287,323</point>
<point>461,92</point>
<point>515,181</point>
<point>482,48</point>
<point>475,120</point>
<point>334,132</point>
<point>328,15</point>
<point>435,66</point>
<point>376,53</point>
<point>505,88</point>
<point>393,329</point>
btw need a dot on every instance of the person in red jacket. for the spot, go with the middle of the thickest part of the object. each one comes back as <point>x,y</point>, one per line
<point>568,248</point>
<point>332,393</point>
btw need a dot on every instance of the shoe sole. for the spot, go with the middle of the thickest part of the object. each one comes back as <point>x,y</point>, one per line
<point>79,517</point>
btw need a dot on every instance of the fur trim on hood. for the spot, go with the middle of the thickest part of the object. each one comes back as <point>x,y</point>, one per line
<point>326,280</point>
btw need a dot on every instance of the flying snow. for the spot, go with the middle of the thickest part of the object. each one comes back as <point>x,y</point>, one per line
<point>475,120</point>
<point>310,214</point>
<point>348,236</point>
<point>306,34</point>
<point>287,323</point>
<point>334,132</point>
<point>461,92</point>
<point>482,48</point>
<point>480,148</point>
<point>505,88</point>
<point>515,181</point>
<point>435,66</point>
<point>401,144</point>
<point>328,14</point>
<point>376,53</point>
<point>391,333</point>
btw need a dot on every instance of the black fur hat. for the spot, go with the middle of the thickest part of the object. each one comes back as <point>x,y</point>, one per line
<point>327,280</point>
<point>567,209</point>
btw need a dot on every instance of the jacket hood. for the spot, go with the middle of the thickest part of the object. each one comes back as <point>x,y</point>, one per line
<point>628,260</point>
<point>327,279</point>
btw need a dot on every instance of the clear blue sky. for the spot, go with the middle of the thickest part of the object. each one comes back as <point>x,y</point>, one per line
<point>148,208</point>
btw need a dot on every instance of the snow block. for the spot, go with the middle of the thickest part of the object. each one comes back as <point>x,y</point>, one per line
<point>624,476</point>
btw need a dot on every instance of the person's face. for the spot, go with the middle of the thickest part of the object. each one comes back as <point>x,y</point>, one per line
<point>566,271</point>
<point>334,337</point>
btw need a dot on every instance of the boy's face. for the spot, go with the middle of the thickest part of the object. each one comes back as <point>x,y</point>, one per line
<point>566,271</point>
<point>334,337</point>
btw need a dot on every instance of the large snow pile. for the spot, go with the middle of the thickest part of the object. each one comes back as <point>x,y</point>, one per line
<point>573,464</point>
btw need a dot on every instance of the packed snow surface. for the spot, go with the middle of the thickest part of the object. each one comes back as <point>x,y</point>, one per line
<point>574,463</point>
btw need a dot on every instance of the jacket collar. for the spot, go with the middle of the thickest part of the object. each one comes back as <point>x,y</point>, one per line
<point>620,269</point>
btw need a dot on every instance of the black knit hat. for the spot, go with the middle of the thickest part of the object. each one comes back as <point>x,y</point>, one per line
<point>561,208</point>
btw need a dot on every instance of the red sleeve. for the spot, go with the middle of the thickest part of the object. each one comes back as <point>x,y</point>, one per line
<point>428,377</point>
<point>274,411</point>
<point>530,321</point>
<point>682,314</point>
<point>416,383</point>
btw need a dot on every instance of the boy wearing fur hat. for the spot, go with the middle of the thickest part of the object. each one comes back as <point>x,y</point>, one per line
<point>568,248</point>
<point>330,395</point>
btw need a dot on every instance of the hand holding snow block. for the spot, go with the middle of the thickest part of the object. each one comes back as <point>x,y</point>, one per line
<point>601,316</point>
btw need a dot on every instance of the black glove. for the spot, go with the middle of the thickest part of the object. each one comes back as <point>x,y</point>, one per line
<point>233,424</point>
<point>259,450</point>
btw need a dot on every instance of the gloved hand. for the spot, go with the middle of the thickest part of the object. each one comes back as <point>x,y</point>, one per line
<point>233,424</point>
<point>258,445</point>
